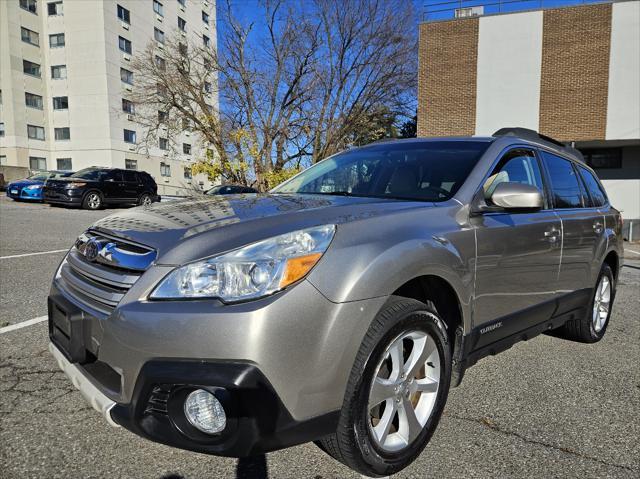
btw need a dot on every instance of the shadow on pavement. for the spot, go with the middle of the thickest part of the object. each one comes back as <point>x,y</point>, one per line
<point>247,468</point>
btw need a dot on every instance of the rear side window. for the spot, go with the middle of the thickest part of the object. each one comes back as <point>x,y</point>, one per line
<point>130,176</point>
<point>565,186</point>
<point>596,192</point>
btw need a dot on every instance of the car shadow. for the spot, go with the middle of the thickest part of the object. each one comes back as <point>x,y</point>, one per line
<point>246,468</point>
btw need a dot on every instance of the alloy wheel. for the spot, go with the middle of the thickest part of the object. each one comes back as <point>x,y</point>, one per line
<point>146,200</point>
<point>601,303</point>
<point>93,201</point>
<point>404,390</point>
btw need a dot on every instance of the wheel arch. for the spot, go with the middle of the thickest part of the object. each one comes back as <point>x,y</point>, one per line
<point>613,260</point>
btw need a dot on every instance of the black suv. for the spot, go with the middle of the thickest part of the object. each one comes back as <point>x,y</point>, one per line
<point>92,188</point>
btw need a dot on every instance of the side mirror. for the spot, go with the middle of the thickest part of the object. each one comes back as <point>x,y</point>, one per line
<point>513,196</point>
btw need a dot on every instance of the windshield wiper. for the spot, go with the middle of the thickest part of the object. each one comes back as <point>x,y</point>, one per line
<point>329,193</point>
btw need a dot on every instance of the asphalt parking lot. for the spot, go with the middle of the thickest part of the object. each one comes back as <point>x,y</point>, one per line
<point>545,408</point>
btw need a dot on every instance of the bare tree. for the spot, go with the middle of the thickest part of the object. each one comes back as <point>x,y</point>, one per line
<point>306,82</point>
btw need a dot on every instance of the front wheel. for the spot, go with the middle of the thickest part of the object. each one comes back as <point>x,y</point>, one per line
<point>396,392</point>
<point>92,201</point>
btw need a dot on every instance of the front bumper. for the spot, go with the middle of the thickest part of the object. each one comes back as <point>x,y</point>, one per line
<point>281,363</point>
<point>25,194</point>
<point>62,197</point>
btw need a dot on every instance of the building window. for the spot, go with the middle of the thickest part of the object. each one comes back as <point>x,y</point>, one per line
<point>187,173</point>
<point>186,148</point>
<point>205,17</point>
<point>3,159</point>
<point>130,164</point>
<point>59,72</point>
<point>124,45</point>
<point>126,76</point>
<point>208,87</point>
<point>603,157</point>
<point>60,102</point>
<point>56,40</point>
<point>157,7</point>
<point>128,107</point>
<point>31,68</point>
<point>161,63</point>
<point>35,132</point>
<point>183,2</point>
<point>158,35</point>
<point>129,136</point>
<point>182,24</point>
<point>33,101</point>
<point>63,133</point>
<point>55,8</point>
<point>29,36</point>
<point>206,41</point>
<point>165,169</point>
<point>37,163</point>
<point>29,5</point>
<point>182,48</point>
<point>63,164</point>
<point>123,14</point>
<point>163,143</point>
<point>186,124</point>
<point>1,130</point>
<point>162,116</point>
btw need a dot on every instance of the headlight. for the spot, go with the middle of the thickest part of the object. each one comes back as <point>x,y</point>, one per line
<point>251,272</point>
<point>34,187</point>
<point>75,185</point>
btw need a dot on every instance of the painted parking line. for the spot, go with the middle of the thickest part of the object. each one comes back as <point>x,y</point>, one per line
<point>631,251</point>
<point>23,324</point>
<point>34,254</point>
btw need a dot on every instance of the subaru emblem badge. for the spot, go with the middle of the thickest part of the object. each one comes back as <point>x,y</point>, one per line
<point>91,249</point>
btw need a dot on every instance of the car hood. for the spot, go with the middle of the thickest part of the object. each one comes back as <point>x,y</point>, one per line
<point>190,229</point>
<point>25,182</point>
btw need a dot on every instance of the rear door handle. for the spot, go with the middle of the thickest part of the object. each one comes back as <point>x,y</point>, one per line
<point>552,235</point>
<point>597,227</point>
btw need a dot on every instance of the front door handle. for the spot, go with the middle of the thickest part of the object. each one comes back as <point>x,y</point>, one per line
<point>552,235</point>
<point>597,227</point>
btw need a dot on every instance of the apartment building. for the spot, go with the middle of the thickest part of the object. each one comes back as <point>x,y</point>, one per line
<point>572,73</point>
<point>64,77</point>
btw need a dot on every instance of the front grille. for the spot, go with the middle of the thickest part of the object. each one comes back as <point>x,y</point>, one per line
<point>98,286</point>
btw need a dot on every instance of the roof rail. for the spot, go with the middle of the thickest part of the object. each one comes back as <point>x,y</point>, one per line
<point>532,135</point>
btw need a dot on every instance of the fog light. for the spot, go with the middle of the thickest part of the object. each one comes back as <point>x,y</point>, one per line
<point>204,412</point>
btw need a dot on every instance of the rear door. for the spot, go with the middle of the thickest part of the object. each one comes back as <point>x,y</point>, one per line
<point>583,238</point>
<point>518,255</point>
<point>132,185</point>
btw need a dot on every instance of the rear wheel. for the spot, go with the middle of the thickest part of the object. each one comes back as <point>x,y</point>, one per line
<point>592,327</point>
<point>145,200</point>
<point>92,201</point>
<point>397,390</point>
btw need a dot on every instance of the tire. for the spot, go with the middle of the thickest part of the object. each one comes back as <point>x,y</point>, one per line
<point>92,201</point>
<point>145,199</point>
<point>591,329</point>
<point>404,323</point>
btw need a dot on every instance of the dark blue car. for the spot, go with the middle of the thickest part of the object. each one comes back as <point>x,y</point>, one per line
<point>31,188</point>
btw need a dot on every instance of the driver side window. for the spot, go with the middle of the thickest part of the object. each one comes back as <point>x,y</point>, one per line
<point>516,166</point>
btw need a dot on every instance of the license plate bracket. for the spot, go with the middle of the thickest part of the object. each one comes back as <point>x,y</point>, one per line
<point>66,330</point>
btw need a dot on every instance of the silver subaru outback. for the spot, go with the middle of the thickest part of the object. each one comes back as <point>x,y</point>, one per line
<point>341,306</point>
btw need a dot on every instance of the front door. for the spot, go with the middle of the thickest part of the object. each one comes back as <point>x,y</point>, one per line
<point>113,187</point>
<point>518,256</point>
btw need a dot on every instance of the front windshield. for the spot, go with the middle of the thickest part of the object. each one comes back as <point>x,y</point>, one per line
<point>39,176</point>
<point>90,174</point>
<point>424,171</point>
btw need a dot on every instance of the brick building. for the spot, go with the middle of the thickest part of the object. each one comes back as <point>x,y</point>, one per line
<point>572,73</point>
